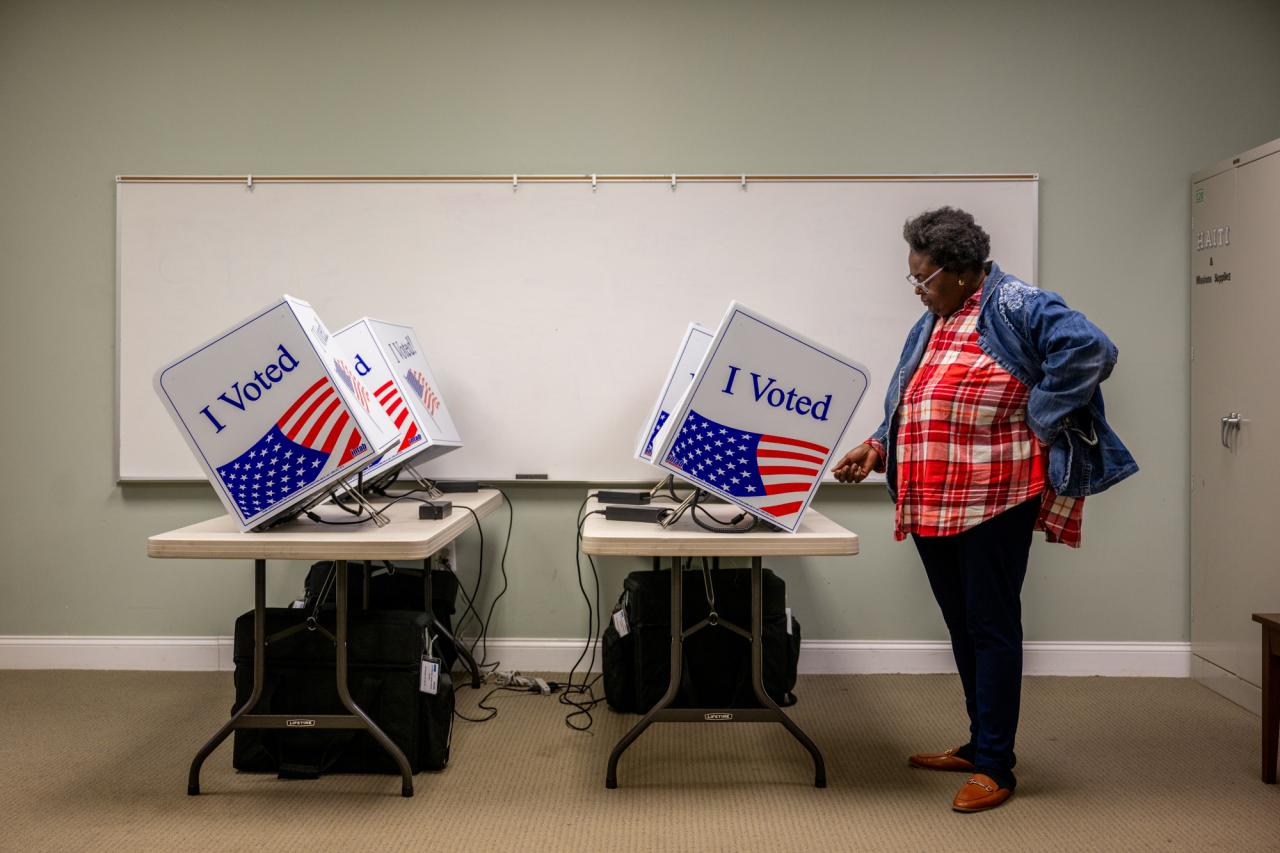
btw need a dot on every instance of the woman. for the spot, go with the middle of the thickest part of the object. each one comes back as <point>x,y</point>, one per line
<point>994,427</point>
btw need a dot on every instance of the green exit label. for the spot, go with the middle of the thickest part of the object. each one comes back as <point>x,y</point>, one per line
<point>1199,196</point>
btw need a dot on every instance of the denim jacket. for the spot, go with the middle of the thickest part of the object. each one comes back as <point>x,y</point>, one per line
<point>1061,357</point>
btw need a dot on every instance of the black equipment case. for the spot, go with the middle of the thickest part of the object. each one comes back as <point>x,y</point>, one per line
<point>385,651</point>
<point>717,662</point>
<point>390,588</point>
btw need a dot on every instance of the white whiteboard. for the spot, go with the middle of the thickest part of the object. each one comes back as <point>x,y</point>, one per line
<point>549,313</point>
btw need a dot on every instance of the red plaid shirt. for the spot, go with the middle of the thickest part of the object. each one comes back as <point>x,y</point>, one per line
<point>965,450</point>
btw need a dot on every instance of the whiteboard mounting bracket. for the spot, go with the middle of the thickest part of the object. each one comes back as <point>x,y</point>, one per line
<point>593,181</point>
<point>515,182</point>
<point>673,183</point>
<point>744,183</point>
<point>248,181</point>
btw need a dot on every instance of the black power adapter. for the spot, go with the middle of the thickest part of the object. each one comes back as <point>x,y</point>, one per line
<point>435,510</point>
<point>605,496</point>
<point>652,514</point>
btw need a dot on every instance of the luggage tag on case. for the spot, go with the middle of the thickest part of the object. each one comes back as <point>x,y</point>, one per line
<point>429,673</point>
<point>620,623</point>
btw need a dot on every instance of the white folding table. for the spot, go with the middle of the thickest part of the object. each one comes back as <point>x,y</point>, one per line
<point>816,536</point>
<point>406,537</point>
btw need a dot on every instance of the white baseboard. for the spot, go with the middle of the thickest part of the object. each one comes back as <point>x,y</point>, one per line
<point>1160,660</point>
<point>169,654</point>
<point>1227,684</point>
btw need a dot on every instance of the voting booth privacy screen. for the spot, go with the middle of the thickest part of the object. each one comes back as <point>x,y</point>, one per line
<point>762,417</point>
<point>390,361</point>
<point>692,348</point>
<point>274,412</point>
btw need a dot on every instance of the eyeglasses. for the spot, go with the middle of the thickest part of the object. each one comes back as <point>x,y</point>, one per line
<point>921,284</point>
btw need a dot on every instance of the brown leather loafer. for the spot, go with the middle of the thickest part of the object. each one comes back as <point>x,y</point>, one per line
<point>941,761</point>
<point>980,793</point>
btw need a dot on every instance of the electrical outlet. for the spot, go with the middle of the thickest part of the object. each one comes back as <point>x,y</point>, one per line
<point>446,558</point>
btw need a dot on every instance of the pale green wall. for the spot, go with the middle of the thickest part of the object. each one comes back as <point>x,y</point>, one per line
<point>1114,104</point>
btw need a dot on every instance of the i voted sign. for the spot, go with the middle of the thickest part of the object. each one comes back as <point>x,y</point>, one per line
<point>275,413</point>
<point>693,346</point>
<point>389,359</point>
<point>762,417</point>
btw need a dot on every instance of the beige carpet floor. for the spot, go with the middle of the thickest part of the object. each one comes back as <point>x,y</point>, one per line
<point>98,761</point>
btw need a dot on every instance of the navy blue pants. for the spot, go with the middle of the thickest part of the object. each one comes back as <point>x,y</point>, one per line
<point>977,580</point>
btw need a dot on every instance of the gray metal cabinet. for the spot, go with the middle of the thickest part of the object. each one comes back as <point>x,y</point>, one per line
<point>1235,417</point>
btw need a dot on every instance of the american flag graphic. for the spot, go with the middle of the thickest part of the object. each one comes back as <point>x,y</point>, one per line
<point>354,385</point>
<point>423,389</point>
<point>768,471</point>
<point>311,438</point>
<point>388,395</point>
<point>662,419</point>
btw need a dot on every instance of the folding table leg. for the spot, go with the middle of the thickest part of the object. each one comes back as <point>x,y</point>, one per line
<point>344,692</point>
<point>428,606</point>
<point>1270,702</point>
<point>757,673</point>
<point>673,686</point>
<point>259,654</point>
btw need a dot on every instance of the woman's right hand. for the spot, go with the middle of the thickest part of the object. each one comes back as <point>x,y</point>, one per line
<point>857,464</point>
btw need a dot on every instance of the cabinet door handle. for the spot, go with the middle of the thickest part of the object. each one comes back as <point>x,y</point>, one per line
<point>1230,425</point>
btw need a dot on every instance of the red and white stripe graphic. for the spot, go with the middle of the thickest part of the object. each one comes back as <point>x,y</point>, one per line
<point>318,420</point>
<point>788,466</point>
<point>388,396</point>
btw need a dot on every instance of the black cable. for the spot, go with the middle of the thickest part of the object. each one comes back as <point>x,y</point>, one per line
<point>584,707</point>
<point>338,503</point>
<point>726,526</point>
<point>325,587</point>
<point>502,566</point>
<point>382,482</point>
<point>471,606</point>
<point>566,692</point>
<point>492,710</point>
<point>697,502</point>
<point>475,591</point>
<point>470,599</point>
<point>319,520</point>
<point>482,639</point>
<point>591,611</point>
<point>580,520</point>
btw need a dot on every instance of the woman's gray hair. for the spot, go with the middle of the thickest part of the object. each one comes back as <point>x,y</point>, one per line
<point>950,237</point>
